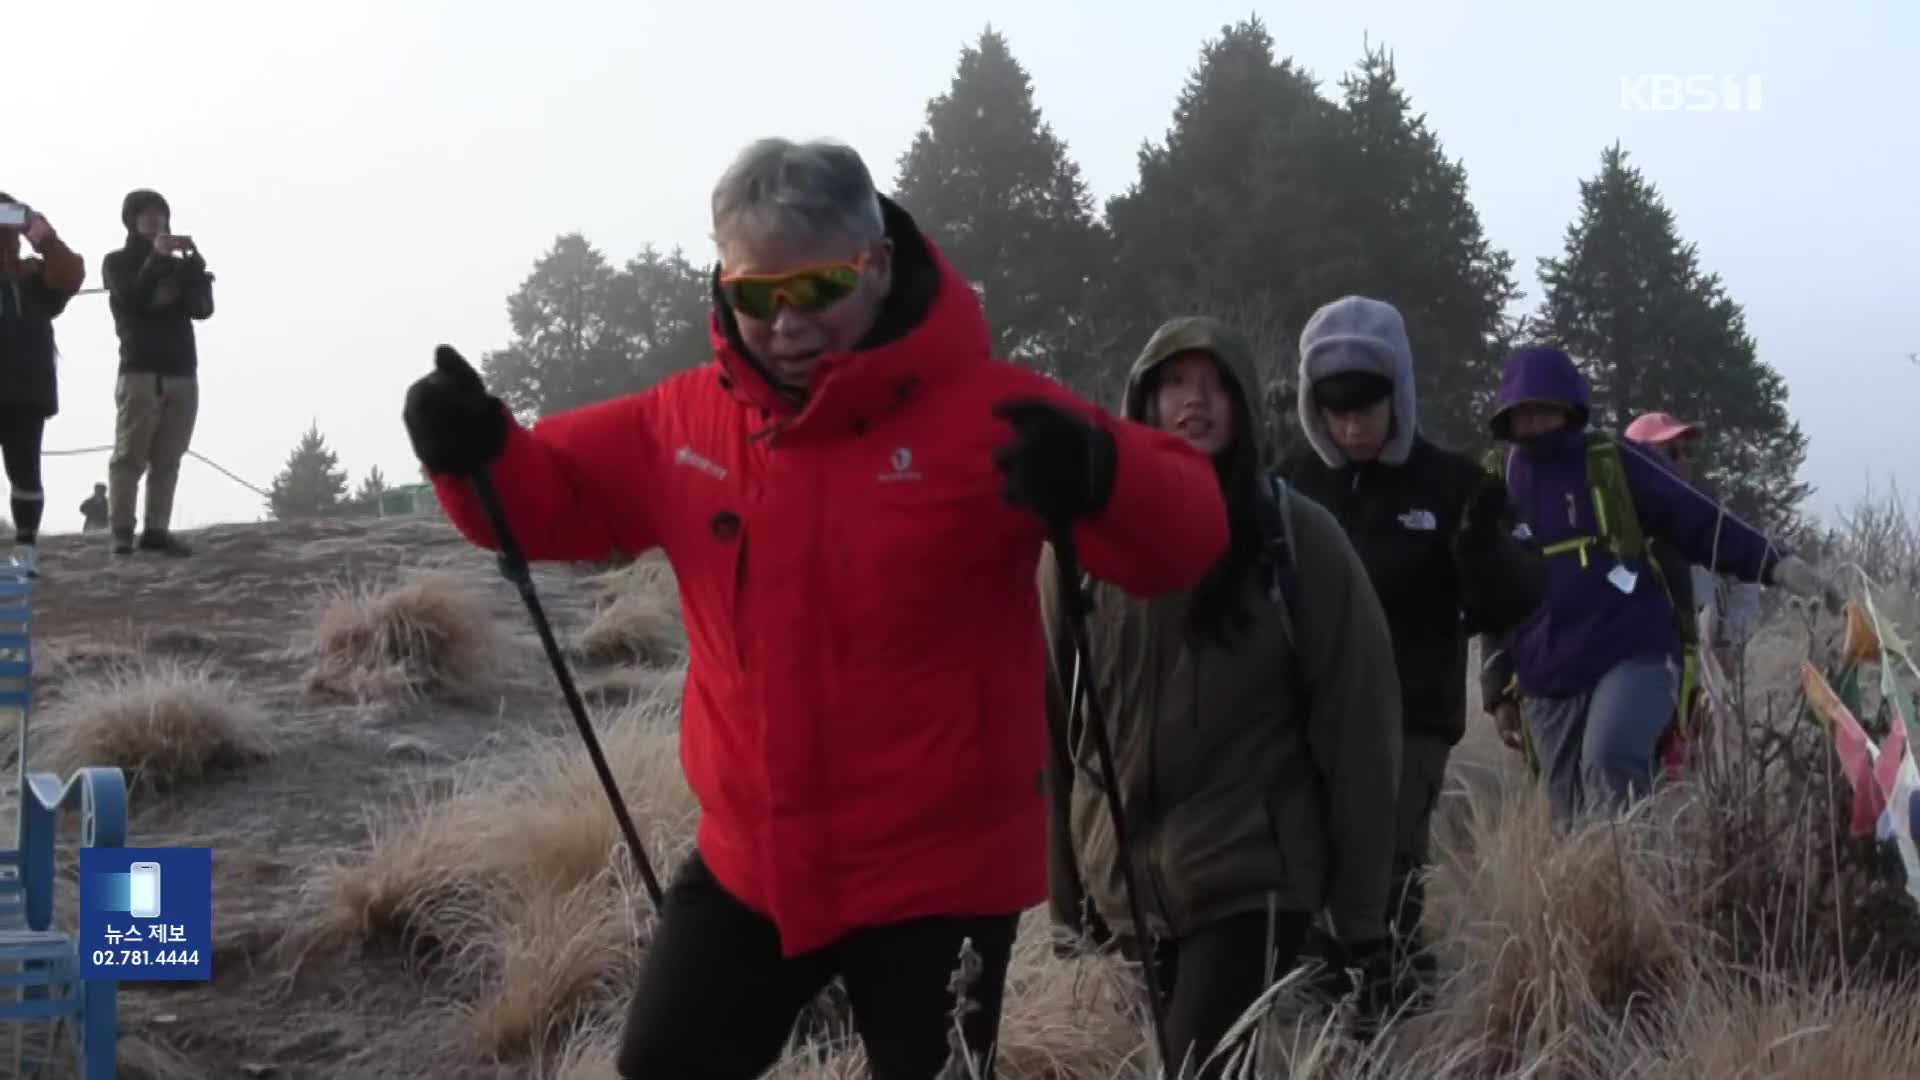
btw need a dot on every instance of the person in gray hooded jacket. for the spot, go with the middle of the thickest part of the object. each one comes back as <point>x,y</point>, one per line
<point>1435,533</point>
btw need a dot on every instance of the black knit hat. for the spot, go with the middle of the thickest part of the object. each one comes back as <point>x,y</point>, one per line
<point>138,201</point>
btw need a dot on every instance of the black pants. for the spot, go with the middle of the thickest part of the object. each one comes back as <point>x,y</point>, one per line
<point>717,1001</point>
<point>21,431</point>
<point>1214,974</point>
<point>1423,777</point>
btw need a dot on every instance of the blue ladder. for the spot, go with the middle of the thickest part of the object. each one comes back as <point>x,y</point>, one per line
<point>39,963</point>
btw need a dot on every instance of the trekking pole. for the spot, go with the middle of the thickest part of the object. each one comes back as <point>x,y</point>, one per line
<point>1086,702</point>
<point>513,566</point>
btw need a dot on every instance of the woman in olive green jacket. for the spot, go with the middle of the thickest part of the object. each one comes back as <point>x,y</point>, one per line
<point>1257,749</point>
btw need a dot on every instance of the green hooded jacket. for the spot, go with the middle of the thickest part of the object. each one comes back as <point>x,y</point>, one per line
<point>1238,796</point>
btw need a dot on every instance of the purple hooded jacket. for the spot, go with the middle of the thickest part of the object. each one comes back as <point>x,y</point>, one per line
<point>1587,625</point>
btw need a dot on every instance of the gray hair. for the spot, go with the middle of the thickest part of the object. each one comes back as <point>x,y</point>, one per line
<point>808,192</point>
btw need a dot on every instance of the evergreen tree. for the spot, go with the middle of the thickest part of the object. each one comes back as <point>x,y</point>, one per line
<point>1426,252</point>
<point>662,310</point>
<point>373,488</point>
<point>1231,211</point>
<point>1652,331</point>
<point>991,182</point>
<point>312,485</point>
<point>585,330</point>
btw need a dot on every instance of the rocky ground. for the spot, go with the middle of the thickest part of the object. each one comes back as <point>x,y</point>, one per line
<point>238,622</point>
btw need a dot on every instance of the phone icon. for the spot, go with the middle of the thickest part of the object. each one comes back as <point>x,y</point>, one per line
<point>143,893</point>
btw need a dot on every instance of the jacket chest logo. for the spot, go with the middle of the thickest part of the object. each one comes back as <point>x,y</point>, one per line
<point>690,458</point>
<point>899,467</point>
<point>1418,520</point>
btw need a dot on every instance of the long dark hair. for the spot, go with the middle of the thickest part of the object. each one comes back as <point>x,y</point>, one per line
<point>1218,611</point>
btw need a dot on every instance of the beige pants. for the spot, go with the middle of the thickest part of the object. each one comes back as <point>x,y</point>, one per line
<point>153,426</point>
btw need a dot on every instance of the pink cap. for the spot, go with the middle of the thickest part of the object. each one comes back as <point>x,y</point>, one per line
<point>1655,428</point>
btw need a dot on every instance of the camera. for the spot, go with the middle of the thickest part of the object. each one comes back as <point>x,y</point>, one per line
<point>13,215</point>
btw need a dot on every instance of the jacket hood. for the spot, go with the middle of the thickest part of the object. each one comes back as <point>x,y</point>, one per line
<point>1230,351</point>
<point>1189,333</point>
<point>1357,333</point>
<point>1541,376</point>
<point>138,200</point>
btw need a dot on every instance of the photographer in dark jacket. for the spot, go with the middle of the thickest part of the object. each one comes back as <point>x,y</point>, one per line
<point>1435,533</point>
<point>158,287</point>
<point>33,292</point>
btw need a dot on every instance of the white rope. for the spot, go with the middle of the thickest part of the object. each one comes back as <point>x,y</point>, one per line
<point>195,454</point>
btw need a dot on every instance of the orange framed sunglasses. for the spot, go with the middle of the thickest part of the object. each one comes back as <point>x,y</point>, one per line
<point>809,290</point>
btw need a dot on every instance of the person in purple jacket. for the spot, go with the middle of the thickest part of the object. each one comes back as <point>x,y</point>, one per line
<point>1597,664</point>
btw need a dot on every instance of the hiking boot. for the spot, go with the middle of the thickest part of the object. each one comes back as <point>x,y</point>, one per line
<point>162,542</point>
<point>26,560</point>
<point>123,543</point>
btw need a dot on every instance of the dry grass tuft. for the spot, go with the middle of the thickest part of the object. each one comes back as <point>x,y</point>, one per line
<point>505,887</point>
<point>165,723</point>
<point>638,619</point>
<point>636,628</point>
<point>433,633</point>
<point>1787,1030</point>
<point>650,574</point>
<point>554,954</point>
<point>1544,934</point>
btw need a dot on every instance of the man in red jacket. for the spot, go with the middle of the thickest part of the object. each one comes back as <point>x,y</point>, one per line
<point>854,495</point>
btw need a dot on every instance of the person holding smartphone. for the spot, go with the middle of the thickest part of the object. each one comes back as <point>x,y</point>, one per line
<point>158,287</point>
<point>33,292</point>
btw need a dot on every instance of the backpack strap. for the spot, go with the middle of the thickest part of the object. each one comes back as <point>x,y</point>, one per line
<point>1283,578</point>
<point>1619,526</point>
<point>1614,516</point>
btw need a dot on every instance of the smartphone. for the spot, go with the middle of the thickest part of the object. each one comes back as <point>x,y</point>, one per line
<point>12,215</point>
<point>143,892</point>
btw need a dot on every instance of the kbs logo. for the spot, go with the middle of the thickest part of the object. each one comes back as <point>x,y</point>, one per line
<point>1690,93</point>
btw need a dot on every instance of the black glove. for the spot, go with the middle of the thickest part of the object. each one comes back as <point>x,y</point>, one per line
<point>1374,961</point>
<point>1059,466</point>
<point>456,427</point>
<point>1340,960</point>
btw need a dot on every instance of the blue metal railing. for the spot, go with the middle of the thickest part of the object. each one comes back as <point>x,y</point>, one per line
<point>42,964</point>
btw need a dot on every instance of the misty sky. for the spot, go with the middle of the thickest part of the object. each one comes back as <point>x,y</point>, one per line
<point>367,180</point>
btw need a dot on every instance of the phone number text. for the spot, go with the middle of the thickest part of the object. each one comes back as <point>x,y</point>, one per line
<point>145,957</point>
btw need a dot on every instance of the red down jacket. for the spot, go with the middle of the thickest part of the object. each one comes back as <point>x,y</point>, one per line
<point>864,716</point>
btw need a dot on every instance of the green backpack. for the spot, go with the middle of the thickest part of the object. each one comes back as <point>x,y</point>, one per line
<point>1618,526</point>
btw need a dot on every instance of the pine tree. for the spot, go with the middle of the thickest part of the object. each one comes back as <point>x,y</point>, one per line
<point>373,488</point>
<point>585,330</point>
<point>1426,252</point>
<point>989,180</point>
<point>1230,212</point>
<point>312,485</point>
<point>1652,331</point>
